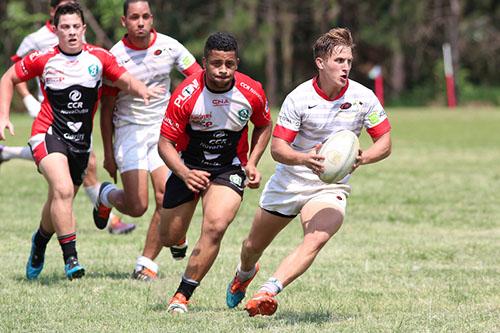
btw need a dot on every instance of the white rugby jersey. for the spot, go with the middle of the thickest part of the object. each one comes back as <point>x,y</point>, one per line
<point>152,66</point>
<point>72,86</point>
<point>308,117</point>
<point>211,129</point>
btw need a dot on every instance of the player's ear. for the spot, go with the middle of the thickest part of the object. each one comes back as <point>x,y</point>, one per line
<point>122,20</point>
<point>84,28</point>
<point>319,63</point>
<point>204,63</point>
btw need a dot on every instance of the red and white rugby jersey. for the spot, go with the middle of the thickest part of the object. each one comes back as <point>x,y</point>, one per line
<point>40,40</point>
<point>71,86</point>
<point>211,129</point>
<point>152,66</point>
<point>308,117</point>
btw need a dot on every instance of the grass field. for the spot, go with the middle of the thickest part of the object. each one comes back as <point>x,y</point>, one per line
<point>419,250</point>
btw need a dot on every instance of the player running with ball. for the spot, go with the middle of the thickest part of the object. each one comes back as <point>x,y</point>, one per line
<point>317,108</point>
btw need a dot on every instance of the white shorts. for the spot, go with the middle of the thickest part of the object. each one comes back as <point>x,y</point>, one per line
<point>136,147</point>
<point>281,196</point>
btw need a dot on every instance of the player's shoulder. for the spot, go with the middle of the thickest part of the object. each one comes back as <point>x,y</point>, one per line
<point>97,50</point>
<point>300,92</point>
<point>188,88</point>
<point>249,87</point>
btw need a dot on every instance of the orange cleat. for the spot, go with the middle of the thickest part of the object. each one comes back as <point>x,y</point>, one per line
<point>262,303</point>
<point>178,304</point>
<point>236,289</point>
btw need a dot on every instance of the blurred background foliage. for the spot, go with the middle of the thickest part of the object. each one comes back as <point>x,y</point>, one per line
<point>275,37</point>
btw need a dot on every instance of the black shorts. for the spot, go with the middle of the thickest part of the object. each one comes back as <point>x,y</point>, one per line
<point>77,161</point>
<point>177,193</point>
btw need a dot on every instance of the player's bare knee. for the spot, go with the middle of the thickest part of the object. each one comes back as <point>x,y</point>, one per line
<point>63,192</point>
<point>214,232</point>
<point>137,209</point>
<point>251,247</point>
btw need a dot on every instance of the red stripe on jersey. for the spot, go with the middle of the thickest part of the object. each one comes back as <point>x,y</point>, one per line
<point>284,133</point>
<point>33,63</point>
<point>128,44</point>
<point>379,130</point>
<point>253,92</point>
<point>15,58</point>
<point>110,91</point>
<point>242,149</point>
<point>39,152</point>
<point>192,69</point>
<point>324,95</point>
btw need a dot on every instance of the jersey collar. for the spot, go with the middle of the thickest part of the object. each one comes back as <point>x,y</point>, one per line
<point>133,47</point>
<point>49,26</point>
<point>324,95</point>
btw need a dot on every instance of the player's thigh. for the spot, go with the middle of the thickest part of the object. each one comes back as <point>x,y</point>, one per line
<point>220,204</point>
<point>322,219</point>
<point>135,186</point>
<point>265,227</point>
<point>174,222</point>
<point>55,168</point>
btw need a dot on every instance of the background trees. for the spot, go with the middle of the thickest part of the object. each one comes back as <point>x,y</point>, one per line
<point>275,37</point>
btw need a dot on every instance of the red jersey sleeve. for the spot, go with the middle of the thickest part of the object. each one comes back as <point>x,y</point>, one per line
<point>255,94</point>
<point>31,66</point>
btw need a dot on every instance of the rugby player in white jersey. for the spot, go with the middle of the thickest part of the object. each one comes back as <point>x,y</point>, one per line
<point>130,133</point>
<point>207,122</point>
<point>317,108</point>
<point>42,40</point>
<point>71,76</point>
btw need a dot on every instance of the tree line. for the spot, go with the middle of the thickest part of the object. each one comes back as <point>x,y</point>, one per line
<point>275,37</point>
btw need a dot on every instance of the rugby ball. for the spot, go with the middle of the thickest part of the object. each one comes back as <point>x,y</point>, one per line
<point>340,151</point>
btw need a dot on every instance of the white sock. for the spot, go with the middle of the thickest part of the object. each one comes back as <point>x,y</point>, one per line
<point>92,193</point>
<point>243,276</point>
<point>143,261</point>
<point>104,195</point>
<point>273,285</point>
<point>17,152</point>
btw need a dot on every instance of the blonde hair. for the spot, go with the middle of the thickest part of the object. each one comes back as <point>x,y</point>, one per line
<point>324,45</point>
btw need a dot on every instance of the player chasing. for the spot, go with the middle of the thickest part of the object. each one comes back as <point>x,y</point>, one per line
<point>207,122</point>
<point>317,108</point>
<point>130,129</point>
<point>41,40</point>
<point>71,74</point>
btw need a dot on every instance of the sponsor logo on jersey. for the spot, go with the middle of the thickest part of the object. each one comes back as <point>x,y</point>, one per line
<point>283,120</point>
<point>93,69</point>
<point>373,118</point>
<point>75,96</point>
<point>188,61</point>
<point>244,115</point>
<point>202,119</point>
<point>34,54</point>
<point>74,137</point>
<point>345,106</point>
<point>220,101</point>
<point>186,92</point>
<point>75,127</point>
<point>236,180</point>
<point>157,52</point>
<point>252,90</point>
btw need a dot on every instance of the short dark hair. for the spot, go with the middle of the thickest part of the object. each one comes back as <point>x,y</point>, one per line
<point>55,3</point>
<point>220,41</point>
<point>69,8</point>
<point>128,2</point>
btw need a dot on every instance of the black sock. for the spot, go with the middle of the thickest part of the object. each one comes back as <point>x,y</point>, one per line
<point>68,245</point>
<point>41,240</point>
<point>187,287</point>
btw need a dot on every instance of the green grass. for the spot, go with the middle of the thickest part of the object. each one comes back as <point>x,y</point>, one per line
<point>419,250</point>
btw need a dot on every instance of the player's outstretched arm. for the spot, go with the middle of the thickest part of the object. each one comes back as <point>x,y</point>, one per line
<point>380,149</point>
<point>107,130</point>
<point>7,83</point>
<point>260,139</point>
<point>135,87</point>
<point>195,180</point>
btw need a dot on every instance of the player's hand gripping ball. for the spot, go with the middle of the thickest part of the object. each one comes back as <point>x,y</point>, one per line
<point>340,151</point>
